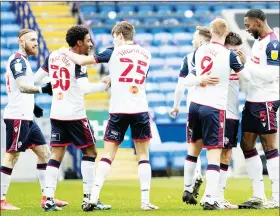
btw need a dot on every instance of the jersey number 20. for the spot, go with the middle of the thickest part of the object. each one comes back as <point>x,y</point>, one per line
<point>130,66</point>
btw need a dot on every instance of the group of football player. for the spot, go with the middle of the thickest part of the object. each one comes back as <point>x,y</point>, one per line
<point>211,73</point>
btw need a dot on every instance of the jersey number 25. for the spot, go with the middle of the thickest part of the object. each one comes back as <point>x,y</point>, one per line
<point>130,66</point>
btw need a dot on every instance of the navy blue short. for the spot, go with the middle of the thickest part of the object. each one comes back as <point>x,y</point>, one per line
<point>22,135</point>
<point>231,133</point>
<point>78,132</point>
<point>206,123</point>
<point>260,117</point>
<point>118,123</point>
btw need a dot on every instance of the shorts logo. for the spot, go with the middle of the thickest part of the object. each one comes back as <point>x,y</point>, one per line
<point>55,137</point>
<point>116,133</point>
<point>85,124</point>
<point>270,107</point>
<point>226,140</point>
<point>264,124</point>
<point>19,144</point>
<point>16,129</point>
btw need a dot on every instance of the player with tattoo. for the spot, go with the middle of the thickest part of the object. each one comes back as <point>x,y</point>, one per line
<point>22,132</point>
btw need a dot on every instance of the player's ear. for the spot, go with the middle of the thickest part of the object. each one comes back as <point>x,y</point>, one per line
<point>79,42</point>
<point>21,42</point>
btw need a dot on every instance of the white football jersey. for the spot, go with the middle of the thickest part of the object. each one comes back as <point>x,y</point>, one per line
<point>20,105</point>
<point>265,52</point>
<point>186,68</point>
<point>128,67</point>
<point>232,101</point>
<point>219,61</point>
<point>67,99</point>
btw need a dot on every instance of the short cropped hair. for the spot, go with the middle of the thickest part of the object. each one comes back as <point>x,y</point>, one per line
<point>218,26</point>
<point>256,13</point>
<point>76,33</point>
<point>233,39</point>
<point>24,31</point>
<point>204,32</point>
<point>126,29</point>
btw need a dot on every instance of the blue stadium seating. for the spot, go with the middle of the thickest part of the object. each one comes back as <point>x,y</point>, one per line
<point>166,30</point>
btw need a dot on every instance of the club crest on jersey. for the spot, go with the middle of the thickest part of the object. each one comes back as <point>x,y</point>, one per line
<point>59,96</point>
<point>274,54</point>
<point>18,66</point>
<point>134,89</point>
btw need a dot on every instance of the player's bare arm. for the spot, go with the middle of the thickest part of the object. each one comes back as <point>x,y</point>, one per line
<point>23,88</point>
<point>205,79</point>
<point>78,59</point>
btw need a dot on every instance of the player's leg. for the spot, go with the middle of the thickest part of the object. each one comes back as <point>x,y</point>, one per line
<point>213,124</point>
<point>251,123</point>
<point>231,132</point>
<point>272,157</point>
<point>269,143</point>
<point>114,135</point>
<point>16,135</point>
<point>60,139</point>
<point>141,135</point>
<point>6,170</point>
<point>83,138</point>
<point>195,145</point>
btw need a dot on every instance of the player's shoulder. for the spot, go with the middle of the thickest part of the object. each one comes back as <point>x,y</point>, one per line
<point>17,56</point>
<point>16,59</point>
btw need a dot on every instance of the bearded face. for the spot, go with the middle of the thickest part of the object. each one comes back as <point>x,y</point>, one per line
<point>29,43</point>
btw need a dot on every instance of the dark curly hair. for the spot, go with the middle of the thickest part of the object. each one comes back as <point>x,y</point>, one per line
<point>76,33</point>
<point>256,13</point>
<point>233,39</point>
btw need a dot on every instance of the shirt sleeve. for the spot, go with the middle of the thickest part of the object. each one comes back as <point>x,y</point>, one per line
<point>18,67</point>
<point>184,71</point>
<point>193,70</point>
<point>104,56</point>
<point>235,62</point>
<point>45,66</point>
<point>80,71</point>
<point>272,53</point>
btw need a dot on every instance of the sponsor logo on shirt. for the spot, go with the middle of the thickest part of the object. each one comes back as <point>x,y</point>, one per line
<point>59,96</point>
<point>134,89</point>
<point>274,54</point>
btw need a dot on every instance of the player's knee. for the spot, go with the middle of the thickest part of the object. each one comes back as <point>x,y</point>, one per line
<point>226,156</point>
<point>10,159</point>
<point>58,153</point>
<point>89,152</point>
<point>268,142</point>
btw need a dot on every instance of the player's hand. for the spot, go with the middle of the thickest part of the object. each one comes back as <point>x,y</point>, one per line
<point>173,112</point>
<point>208,79</point>
<point>63,50</point>
<point>47,89</point>
<point>242,56</point>
<point>38,111</point>
<point>107,81</point>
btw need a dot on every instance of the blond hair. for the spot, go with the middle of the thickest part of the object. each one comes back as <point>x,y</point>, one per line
<point>218,26</point>
<point>126,29</point>
<point>24,31</point>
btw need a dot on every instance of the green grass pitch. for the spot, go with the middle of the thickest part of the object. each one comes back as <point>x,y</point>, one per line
<point>124,196</point>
